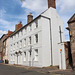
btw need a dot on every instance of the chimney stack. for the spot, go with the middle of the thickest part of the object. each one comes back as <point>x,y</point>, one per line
<point>52,3</point>
<point>9,32</point>
<point>18,26</point>
<point>29,17</point>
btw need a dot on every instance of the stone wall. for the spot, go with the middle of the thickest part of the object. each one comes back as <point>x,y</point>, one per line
<point>72,40</point>
<point>68,55</point>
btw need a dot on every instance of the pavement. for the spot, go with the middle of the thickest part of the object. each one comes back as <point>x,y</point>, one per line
<point>7,69</point>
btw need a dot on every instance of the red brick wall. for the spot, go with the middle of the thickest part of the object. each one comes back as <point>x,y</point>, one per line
<point>51,3</point>
<point>2,45</point>
<point>9,33</point>
<point>17,27</point>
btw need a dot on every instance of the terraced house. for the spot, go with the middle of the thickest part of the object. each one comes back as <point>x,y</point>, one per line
<point>40,42</point>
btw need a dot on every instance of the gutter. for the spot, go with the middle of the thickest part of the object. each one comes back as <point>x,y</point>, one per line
<point>50,37</point>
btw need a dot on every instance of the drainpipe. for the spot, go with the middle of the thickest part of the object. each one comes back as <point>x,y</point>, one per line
<point>50,37</point>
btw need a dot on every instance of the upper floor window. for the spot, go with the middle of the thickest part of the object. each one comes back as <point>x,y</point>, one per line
<point>36,22</point>
<point>20,44</point>
<point>18,35</point>
<point>25,29</point>
<point>14,36</point>
<point>11,38</point>
<point>24,42</point>
<point>29,40</point>
<point>30,27</point>
<point>17,44</point>
<point>21,32</point>
<point>36,38</point>
<point>14,47</point>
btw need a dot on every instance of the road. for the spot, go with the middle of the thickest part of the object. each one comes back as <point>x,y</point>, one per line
<point>10,70</point>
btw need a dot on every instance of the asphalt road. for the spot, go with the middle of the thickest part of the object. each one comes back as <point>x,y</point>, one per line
<point>10,70</point>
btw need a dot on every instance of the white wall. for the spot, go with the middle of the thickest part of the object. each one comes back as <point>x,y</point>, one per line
<point>26,49</point>
<point>44,43</point>
<point>55,23</point>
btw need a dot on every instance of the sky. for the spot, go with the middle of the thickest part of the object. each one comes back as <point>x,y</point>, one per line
<point>14,11</point>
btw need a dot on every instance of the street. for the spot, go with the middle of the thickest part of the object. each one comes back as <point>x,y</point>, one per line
<point>16,70</point>
<point>10,70</point>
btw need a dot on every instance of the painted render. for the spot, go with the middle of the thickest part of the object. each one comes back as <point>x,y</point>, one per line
<point>48,20</point>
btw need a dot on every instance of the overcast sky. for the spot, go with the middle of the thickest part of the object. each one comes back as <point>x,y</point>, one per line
<point>14,11</point>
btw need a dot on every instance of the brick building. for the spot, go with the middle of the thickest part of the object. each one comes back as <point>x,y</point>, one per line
<point>2,46</point>
<point>71,28</point>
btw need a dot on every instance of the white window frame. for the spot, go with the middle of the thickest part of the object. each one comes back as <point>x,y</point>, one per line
<point>25,56</point>
<point>21,44</point>
<point>30,27</point>
<point>36,55</point>
<point>29,40</point>
<point>24,42</point>
<point>29,56</point>
<point>36,39</point>
<point>25,29</point>
<point>36,22</point>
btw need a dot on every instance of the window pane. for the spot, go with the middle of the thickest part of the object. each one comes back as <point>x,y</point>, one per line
<point>36,37</point>
<point>36,55</point>
<point>36,22</point>
<point>24,56</point>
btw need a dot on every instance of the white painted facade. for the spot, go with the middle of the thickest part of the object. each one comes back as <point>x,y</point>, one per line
<point>44,53</point>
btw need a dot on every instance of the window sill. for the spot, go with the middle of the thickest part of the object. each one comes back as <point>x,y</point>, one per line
<point>24,46</point>
<point>24,61</point>
<point>35,43</point>
<point>35,28</point>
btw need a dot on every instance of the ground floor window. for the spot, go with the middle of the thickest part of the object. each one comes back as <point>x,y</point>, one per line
<point>24,56</point>
<point>36,55</point>
<point>28,55</point>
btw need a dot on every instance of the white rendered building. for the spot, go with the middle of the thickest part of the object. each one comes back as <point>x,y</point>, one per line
<point>40,42</point>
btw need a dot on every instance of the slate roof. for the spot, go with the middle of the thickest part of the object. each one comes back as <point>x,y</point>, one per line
<point>72,19</point>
